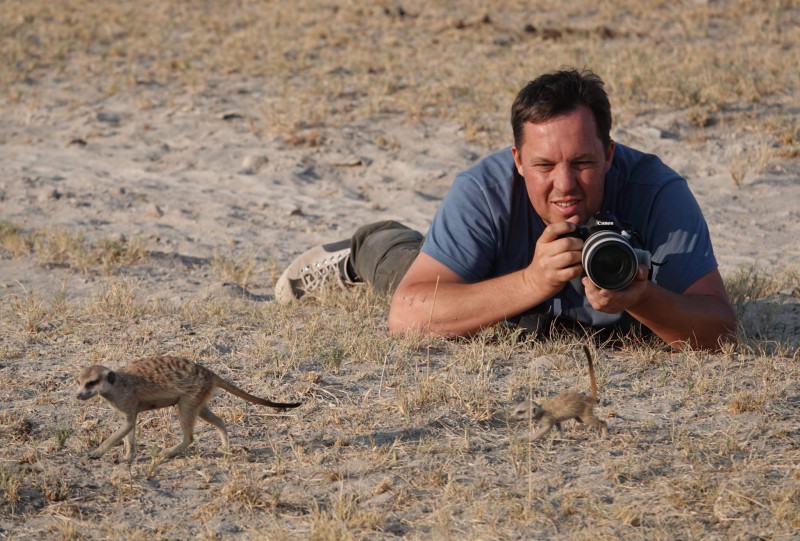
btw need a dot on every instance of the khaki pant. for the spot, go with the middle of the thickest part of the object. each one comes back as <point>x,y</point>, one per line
<point>381,253</point>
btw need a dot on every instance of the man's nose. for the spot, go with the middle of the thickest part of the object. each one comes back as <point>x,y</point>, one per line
<point>564,178</point>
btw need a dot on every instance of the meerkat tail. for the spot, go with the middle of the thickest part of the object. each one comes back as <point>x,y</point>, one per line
<point>234,390</point>
<point>591,372</point>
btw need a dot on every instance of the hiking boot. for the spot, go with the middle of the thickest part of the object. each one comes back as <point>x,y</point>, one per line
<point>310,270</point>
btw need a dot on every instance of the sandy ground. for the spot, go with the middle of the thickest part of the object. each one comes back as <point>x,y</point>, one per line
<point>194,180</point>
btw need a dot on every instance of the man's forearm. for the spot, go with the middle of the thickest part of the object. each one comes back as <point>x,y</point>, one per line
<point>702,321</point>
<point>457,309</point>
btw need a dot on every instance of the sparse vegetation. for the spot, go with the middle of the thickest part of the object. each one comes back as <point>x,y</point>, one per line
<point>760,298</point>
<point>65,249</point>
<point>391,433</point>
<point>398,436</point>
<point>327,64</point>
<point>60,434</point>
<point>238,269</point>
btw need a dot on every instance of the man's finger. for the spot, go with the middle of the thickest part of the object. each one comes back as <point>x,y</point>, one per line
<point>553,231</point>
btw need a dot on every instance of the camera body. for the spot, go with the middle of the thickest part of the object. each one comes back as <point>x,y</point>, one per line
<point>608,257</point>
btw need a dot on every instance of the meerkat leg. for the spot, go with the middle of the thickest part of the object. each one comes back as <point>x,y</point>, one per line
<point>591,420</point>
<point>130,445</point>
<point>124,430</point>
<point>187,413</point>
<point>603,428</point>
<point>219,424</point>
<point>542,431</point>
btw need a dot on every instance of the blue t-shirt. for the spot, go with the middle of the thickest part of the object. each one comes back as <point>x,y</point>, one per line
<point>486,226</point>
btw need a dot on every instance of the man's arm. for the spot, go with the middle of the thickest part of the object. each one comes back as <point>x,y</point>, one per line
<point>701,316</point>
<point>435,300</point>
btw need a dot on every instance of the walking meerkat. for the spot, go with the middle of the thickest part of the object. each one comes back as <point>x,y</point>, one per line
<point>160,382</point>
<point>564,406</point>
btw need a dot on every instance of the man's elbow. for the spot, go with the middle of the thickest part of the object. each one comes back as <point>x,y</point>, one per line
<point>729,334</point>
<point>400,320</point>
<point>396,324</point>
<point>721,336</point>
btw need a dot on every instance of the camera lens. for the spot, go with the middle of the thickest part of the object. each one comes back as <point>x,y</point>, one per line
<point>609,260</point>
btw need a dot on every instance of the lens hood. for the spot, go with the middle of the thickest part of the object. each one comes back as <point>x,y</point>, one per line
<point>609,260</point>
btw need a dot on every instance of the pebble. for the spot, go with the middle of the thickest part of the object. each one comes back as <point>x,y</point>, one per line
<point>503,40</point>
<point>154,211</point>
<point>50,194</point>
<point>252,164</point>
<point>109,118</point>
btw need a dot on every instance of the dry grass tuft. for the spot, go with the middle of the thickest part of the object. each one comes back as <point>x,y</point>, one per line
<point>763,300</point>
<point>61,248</point>
<point>238,269</point>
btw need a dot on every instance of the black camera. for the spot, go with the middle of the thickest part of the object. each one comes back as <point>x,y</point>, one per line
<point>608,257</point>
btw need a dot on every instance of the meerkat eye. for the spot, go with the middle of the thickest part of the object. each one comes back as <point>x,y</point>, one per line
<point>92,383</point>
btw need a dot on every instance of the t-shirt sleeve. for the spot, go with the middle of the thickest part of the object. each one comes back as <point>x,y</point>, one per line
<point>463,236</point>
<point>678,238</point>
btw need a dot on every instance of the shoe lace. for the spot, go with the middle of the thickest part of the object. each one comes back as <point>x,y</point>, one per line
<point>317,273</point>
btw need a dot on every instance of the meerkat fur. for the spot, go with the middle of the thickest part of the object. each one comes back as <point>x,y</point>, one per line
<point>564,406</point>
<point>160,382</point>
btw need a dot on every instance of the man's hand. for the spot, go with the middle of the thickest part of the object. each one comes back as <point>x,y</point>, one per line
<point>701,316</point>
<point>613,302</point>
<point>434,299</point>
<point>556,260</point>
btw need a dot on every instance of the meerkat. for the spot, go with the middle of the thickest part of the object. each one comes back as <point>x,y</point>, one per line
<point>160,382</point>
<point>564,406</point>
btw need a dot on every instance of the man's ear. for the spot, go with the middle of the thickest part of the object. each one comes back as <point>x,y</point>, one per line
<point>610,154</point>
<point>111,377</point>
<point>517,159</point>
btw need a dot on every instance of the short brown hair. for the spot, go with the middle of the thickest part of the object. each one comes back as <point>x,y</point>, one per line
<point>560,92</point>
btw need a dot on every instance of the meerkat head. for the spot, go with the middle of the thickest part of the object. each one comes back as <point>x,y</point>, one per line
<point>525,410</point>
<point>93,380</point>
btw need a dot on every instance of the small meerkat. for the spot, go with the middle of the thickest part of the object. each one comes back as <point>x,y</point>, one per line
<point>564,406</point>
<point>160,382</point>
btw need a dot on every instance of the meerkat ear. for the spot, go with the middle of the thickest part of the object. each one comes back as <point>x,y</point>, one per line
<point>111,377</point>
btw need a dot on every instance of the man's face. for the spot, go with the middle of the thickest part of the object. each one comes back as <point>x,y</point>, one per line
<point>564,166</point>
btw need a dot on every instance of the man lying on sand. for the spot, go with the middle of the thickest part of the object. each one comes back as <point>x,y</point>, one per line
<point>502,245</point>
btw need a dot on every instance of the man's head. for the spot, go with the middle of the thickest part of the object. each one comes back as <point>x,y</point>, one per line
<point>554,94</point>
<point>562,144</point>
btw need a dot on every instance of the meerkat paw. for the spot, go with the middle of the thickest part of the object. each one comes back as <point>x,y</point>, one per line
<point>175,451</point>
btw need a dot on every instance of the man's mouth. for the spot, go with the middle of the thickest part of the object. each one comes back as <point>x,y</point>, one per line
<point>566,208</point>
<point>566,204</point>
